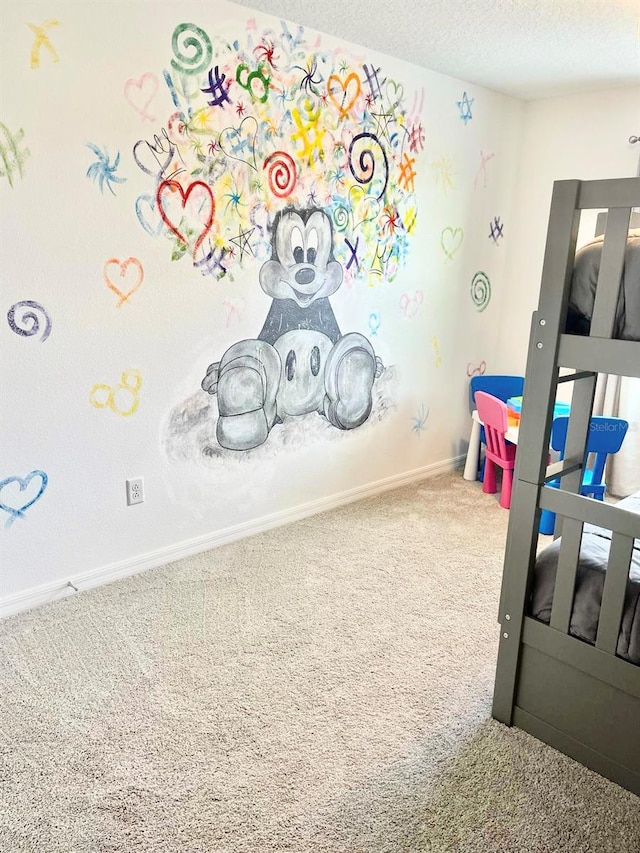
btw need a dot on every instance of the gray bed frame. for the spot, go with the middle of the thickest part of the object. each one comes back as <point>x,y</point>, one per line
<point>581,699</point>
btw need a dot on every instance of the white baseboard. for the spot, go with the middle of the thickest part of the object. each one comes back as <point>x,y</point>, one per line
<point>46,593</point>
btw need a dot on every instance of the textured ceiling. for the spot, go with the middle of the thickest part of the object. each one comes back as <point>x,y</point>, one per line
<point>525,48</point>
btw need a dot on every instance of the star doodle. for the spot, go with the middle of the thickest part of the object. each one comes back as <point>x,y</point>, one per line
<point>382,124</point>
<point>464,106</point>
<point>242,242</point>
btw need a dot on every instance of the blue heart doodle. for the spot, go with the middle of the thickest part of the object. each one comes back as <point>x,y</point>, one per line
<point>150,200</point>
<point>23,482</point>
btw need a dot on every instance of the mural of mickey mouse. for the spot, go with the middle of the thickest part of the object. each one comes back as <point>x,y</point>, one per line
<point>300,361</point>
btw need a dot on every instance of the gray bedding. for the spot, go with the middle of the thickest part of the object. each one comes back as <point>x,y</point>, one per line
<point>583,289</point>
<point>594,553</point>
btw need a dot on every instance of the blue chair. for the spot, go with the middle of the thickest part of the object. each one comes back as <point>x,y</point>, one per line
<point>605,436</point>
<point>501,387</point>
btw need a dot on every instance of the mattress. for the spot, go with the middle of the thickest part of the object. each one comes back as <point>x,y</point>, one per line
<point>592,566</point>
<point>583,289</point>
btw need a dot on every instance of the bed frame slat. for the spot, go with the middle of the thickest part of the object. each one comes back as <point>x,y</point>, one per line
<point>599,354</point>
<point>605,307</point>
<point>566,575</point>
<point>609,193</point>
<point>613,595</point>
<point>591,511</point>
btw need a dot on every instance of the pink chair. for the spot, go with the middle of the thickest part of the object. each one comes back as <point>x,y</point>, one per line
<point>493,414</point>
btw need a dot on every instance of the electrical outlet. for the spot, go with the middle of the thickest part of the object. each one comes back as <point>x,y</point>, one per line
<point>135,491</point>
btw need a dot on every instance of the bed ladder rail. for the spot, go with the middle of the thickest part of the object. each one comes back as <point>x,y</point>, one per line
<point>550,349</point>
<point>625,527</point>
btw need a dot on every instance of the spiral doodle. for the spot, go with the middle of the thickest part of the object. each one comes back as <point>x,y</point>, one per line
<point>282,173</point>
<point>367,161</point>
<point>28,322</point>
<point>481,290</point>
<point>200,43</point>
<point>341,218</point>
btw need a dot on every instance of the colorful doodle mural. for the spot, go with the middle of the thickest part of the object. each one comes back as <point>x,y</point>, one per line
<point>275,121</point>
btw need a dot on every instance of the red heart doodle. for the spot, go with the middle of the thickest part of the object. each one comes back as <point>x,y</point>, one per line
<point>201,209</point>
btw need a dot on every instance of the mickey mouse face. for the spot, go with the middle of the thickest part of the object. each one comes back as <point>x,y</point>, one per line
<point>300,268</point>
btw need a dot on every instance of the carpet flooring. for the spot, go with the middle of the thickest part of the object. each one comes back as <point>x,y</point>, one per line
<point>325,686</point>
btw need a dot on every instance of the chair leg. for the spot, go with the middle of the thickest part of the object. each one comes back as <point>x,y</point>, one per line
<point>489,481</point>
<point>505,491</point>
<point>547,522</point>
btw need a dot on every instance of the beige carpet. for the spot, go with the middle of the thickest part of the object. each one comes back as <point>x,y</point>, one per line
<point>321,687</point>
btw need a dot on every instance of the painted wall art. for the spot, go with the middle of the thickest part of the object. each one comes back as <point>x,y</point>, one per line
<point>250,262</point>
<point>300,159</point>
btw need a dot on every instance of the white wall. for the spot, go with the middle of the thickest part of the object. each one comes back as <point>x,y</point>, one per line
<point>59,231</point>
<point>581,137</point>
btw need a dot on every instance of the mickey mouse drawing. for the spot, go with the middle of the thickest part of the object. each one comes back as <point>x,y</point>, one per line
<point>300,362</point>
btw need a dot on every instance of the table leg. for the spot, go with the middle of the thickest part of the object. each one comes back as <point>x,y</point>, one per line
<point>473,453</point>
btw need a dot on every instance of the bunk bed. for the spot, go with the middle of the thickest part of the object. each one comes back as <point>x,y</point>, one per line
<point>576,689</point>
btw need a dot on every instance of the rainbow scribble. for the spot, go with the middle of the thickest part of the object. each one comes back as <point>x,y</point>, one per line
<point>270,121</point>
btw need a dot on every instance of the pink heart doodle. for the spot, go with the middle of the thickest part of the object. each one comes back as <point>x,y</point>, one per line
<point>140,93</point>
